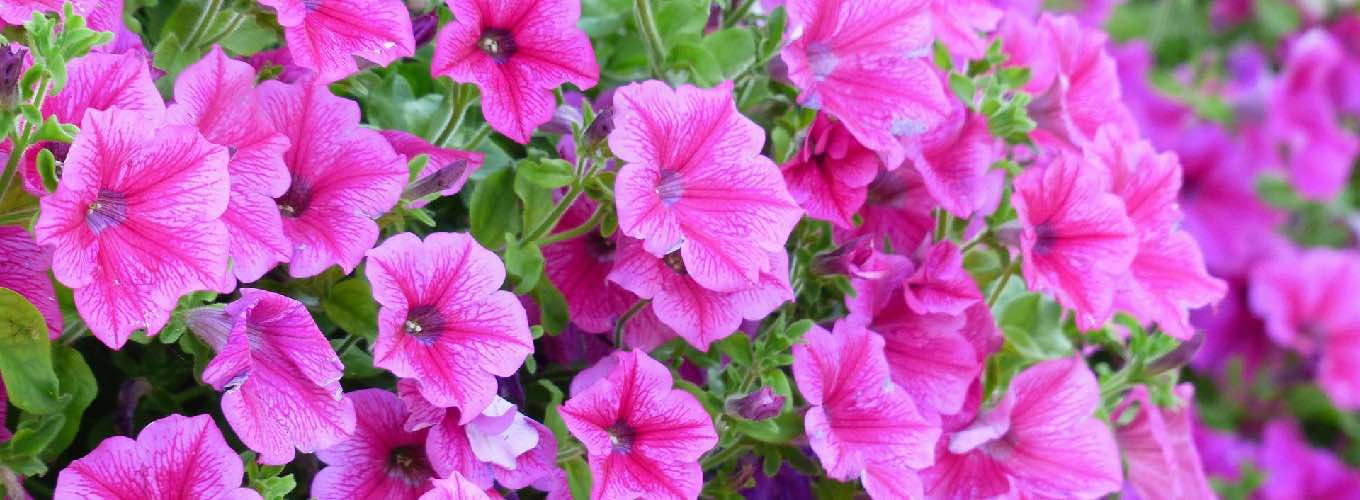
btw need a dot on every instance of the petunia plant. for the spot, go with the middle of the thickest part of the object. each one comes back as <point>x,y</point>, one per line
<point>619,249</point>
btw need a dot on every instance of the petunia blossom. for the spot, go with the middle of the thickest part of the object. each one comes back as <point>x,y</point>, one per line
<point>516,52</point>
<point>100,81</point>
<point>700,315</point>
<point>1041,440</point>
<point>1167,277</point>
<point>694,181</point>
<point>955,162</point>
<point>862,62</point>
<point>329,36</point>
<point>344,177</point>
<point>136,221</point>
<point>1085,95</point>
<point>444,320</point>
<point>174,458</point>
<point>217,95</point>
<point>280,377</point>
<point>1294,469</point>
<point>1076,238</point>
<point>23,269</point>
<point>18,12</point>
<point>1159,446</point>
<point>579,267</point>
<point>830,175</point>
<point>859,423</point>
<point>454,487</point>
<point>1304,301</point>
<point>1305,124</point>
<point>642,436</point>
<point>898,210</point>
<point>956,24</point>
<point>446,170</point>
<point>380,459</point>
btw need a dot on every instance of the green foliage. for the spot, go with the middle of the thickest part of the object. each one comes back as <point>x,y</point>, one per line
<point>268,480</point>
<point>26,357</point>
<point>350,305</point>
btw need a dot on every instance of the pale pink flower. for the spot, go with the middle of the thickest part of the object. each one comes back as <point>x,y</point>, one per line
<point>454,487</point>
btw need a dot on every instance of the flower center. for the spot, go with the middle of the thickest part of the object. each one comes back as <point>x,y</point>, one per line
<point>108,209</point>
<point>599,247</point>
<point>1044,238</point>
<point>821,60</point>
<point>311,5</point>
<point>409,464</point>
<point>295,201</point>
<point>621,436</point>
<point>424,323</point>
<point>497,43</point>
<point>676,263</point>
<point>670,187</point>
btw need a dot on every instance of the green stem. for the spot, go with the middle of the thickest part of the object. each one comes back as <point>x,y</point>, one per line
<point>350,341</point>
<point>568,453</point>
<point>476,140</point>
<point>1001,284</point>
<point>577,189</point>
<point>941,224</point>
<point>203,22</point>
<point>623,320</point>
<point>462,100</point>
<point>737,14</point>
<point>651,36</point>
<point>21,142</point>
<point>576,231</point>
<point>726,454</point>
<point>232,25</point>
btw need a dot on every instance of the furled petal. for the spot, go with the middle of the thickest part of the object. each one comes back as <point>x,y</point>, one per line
<point>103,81</point>
<point>1086,94</point>
<point>343,176</point>
<point>328,35</point>
<point>23,269</point>
<point>941,284</point>
<point>282,379</point>
<point>455,487</point>
<point>695,181</point>
<point>443,320</point>
<point>1159,448</point>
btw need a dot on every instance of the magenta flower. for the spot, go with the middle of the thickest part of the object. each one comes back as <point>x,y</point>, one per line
<point>956,24</point>
<point>860,62</point>
<point>23,269</point>
<point>1159,447</point>
<point>700,315</point>
<point>1167,278</point>
<point>859,423</point>
<point>174,458</point>
<point>643,437</point>
<point>18,12</point>
<point>444,321</point>
<point>695,182</point>
<point>1232,225</point>
<point>1294,469</point>
<point>579,268</point>
<point>1304,301</point>
<point>4,411</point>
<point>940,284</point>
<point>445,172</point>
<point>328,36</point>
<point>1040,441</point>
<point>1085,94</point>
<point>1076,238</point>
<point>380,460</point>
<point>454,487</point>
<point>516,52</point>
<point>136,221</point>
<point>280,376</point>
<point>830,175</point>
<point>217,95</point>
<point>955,163</point>
<point>898,210</point>
<point>1318,151</point>
<point>343,177</point>
<point>104,81</point>
<point>108,16</point>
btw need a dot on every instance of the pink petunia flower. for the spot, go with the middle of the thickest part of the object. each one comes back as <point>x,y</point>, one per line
<point>344,177</point>
<point>700,315</point>
<point>695,182</point>
<point>454,487</point>
<point>446,170</point>
<point>861,424</point>
<point>1085,93</point>
<point>955,161</point>
<point>1318,152</point>
<point>643,437</point>
<point>1159,446</point>
<point>280,376</point>
<point>1167,277</point>
<point>381,459</point>
<point>108,16</point>
<point>860,61</point>
<point>444,320</point>
<point>1305,302</point>
<point>136,221</point>
<point>329,36</point>
<point>174,458</point>
<point>103,81</point>
<point>898,210</point>
<point>516,52</point>
<point>217,95</point>
<point>1076,239</point>
<point>956,24</point>
<point>579,268</point>
<point>830,175</point>
<point>18,12</point>
<point>1294,469</point>
<point>1040,440</point>
<point>23,269</point>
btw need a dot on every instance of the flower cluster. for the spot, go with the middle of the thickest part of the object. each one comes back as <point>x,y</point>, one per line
<point>615,249</point>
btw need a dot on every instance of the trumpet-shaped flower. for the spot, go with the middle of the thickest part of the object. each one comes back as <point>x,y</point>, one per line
<point>328,36</point>
<point>381,459</point>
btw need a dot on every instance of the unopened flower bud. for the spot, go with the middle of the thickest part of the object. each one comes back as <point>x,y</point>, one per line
<point>11,69</point>
<point>760,405</point>
<point>846,260</point>
<point>424,26</point>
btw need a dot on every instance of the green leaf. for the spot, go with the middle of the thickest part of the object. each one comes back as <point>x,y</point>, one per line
<point>737,347</point>
<point>552,307</point>
<point>47,169</point>
<point>778,430</point>
<point>546,173</point>
<point>774,29</point>
<point>963,88</point>
<point>524,262</point>
<point>734,49</point>
<point>350,305</point>
<point>536,201</point>
<point>493,210</point>
<point>26,357</point>
<point>79,383</point>
<point>680,19</point>
<point>21,453</point>
<point>703,66</point>
<point>275,488</point>
<point>1032,325</point>
<point>578,478</point>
